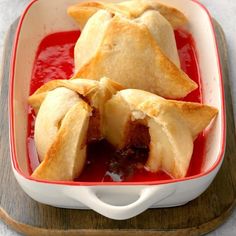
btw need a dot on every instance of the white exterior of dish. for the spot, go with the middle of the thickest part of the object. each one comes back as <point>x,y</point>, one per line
<point>114,201</point>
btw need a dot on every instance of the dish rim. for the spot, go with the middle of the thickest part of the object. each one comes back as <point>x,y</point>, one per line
<point>73,183</point>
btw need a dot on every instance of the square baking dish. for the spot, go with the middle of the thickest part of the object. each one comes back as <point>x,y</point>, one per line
<point>114,200</point>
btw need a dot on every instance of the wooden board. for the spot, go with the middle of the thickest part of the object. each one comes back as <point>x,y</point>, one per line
<point>195,218</point>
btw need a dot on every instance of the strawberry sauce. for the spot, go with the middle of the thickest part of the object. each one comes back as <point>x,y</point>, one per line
<point>54,60</point>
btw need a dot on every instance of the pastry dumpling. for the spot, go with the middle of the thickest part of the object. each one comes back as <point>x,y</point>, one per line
<point>68,116</point>
<point>81,12</point>
<point>139,53</point>
<point>172,127</point>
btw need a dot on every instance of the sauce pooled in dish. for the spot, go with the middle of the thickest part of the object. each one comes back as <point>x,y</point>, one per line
<point>54,60</point>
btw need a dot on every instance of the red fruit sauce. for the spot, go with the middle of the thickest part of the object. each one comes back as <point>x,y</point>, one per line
<point>54,60</point>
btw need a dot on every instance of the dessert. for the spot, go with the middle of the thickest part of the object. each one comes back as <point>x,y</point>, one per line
<point>126,58</point>
<point>64,111</point>
<point>172,127</point>
<point>138,53</point>
<point>73,112</point>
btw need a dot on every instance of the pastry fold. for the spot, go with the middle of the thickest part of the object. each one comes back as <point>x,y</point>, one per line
<point>138,53</point>
<point>81,12</point>
<point>173,127</point>
<point>65,158</point>
<point>68,114</point>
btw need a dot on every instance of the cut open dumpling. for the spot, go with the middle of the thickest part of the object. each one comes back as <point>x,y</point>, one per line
<point>81,12</point>
<point>172,126</point>
<point>68,115</point>
<point>138,53</point>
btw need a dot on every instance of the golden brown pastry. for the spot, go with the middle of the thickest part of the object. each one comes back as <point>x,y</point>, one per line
<point>81,12</point>
<point>138,53</point>
<point>66,154</point>
<point>68,114</point>
<point>172,125</point>
<point>162,32</point>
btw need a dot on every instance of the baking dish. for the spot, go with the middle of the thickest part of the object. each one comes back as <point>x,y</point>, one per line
<point>113,200</point>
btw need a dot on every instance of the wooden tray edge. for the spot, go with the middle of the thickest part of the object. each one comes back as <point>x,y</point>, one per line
<point>37,231</point>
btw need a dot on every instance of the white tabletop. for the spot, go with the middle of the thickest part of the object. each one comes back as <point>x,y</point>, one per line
<point>225,13</point>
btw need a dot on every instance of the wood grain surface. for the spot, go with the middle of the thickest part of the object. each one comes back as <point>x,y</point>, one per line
<point>195,218</point>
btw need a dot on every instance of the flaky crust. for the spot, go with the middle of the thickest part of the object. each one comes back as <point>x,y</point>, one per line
<point>81,12</point>
<point>67,154</point>
<point>55,106</point>
<point>128,54</point>
<point>162,32</point>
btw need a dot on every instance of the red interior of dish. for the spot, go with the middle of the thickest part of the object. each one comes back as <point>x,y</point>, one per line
<point>54,60</point>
